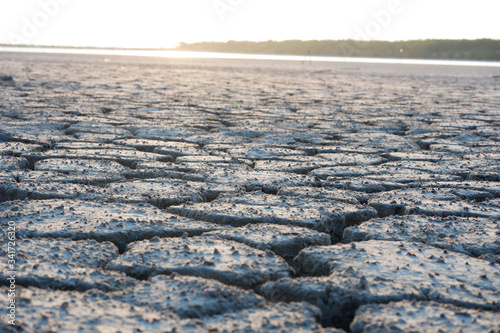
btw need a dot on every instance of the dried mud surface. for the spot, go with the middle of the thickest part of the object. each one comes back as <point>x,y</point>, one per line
<point>163,195</point>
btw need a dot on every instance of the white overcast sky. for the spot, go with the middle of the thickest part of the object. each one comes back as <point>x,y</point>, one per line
<point>164,23</point>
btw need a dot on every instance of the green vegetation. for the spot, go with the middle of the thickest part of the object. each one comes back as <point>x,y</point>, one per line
<point>479,49</point>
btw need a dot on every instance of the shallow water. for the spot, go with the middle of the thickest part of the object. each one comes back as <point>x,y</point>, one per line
<point>214,55</point>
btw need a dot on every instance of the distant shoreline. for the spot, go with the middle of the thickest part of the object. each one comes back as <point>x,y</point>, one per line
<point>475,50</point>
<point>86,47</point>
<point>173,53</point>
<point>479,49</point>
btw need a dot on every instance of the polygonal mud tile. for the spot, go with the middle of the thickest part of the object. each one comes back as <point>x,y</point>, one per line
<point>407,262</point>
<point>361,184</point>
<point>93,171</point>
<point>57,178</point>
<point>336,159</point>
<point>8,163</point>
<point>307,192</point>
<point>470,185</point>
<point>419,156</point>
<point>279,137</point>
<point>188,296</point>
<point>380,140</point>
<point>176,149</point>
<point>458,149</point>
<point>277,317</point>
<point>219,158</point>
<point>422,317</point>
<point>5,135</point>
<point>115,222</point>
<point>337,298</point>
<point>8,187</point>
<point>84,253</point>
<point>319,214</point>
<point>303,167</point>
<point>158,192</point>
<point>127,157</point>
<point>96,128</point>
<point>163,132</point>
<point>429,201</point>
<point>420,166</point>
<point>46,310</point>
<point>382,271</point>
<point>475,162</point>
<point>330,147</point>
<point>459,168</point>
<point>400,175</point>
<point>220,147</point>
<point>64,264</point>
<point>140,144</point>
<point>260,152</point>
<point>35,132</point>
<point>206,165</point>
<point>491,174</point>
<point>46,188</point>
<point>196,171</point>
<point>18,148</point>
<point>493,204</point>
<point>153,169</point>
<point>343,171</point>
<point>451,145</point>
<point>473,195</point>
<point>217,140</point>
<point>267,181</point>
<point>204,256</point>
<point>285,241</point>
<point>328,260</point>
<point>251,129</point>
<point>99,138</point>
<point>477,237</point>
<point>92,146</point>
<point>492,155</point>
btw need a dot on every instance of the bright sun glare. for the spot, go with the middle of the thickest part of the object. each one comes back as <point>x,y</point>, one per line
<point>159,23</point>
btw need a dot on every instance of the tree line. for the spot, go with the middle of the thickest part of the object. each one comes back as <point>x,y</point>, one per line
<point>478,49</point>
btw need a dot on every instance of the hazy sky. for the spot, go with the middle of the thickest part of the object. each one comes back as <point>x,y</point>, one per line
<point>164,23</point>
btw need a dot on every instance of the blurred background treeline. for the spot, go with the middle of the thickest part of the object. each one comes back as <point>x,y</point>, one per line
<point>479,49</point>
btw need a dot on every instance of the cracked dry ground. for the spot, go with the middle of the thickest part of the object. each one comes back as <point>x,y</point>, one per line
<point>156,195</point>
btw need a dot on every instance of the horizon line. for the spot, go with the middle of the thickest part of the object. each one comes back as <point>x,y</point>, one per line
<point>244,41</point>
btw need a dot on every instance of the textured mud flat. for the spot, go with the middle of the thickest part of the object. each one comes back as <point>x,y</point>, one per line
<point>164,195</point>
